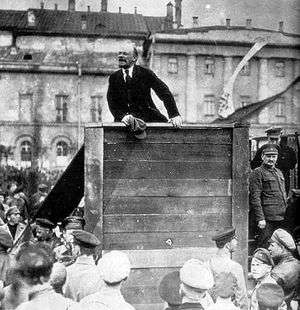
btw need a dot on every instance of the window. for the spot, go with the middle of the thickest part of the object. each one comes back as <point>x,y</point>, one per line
<point>209,66</point>
<point>62,152</point>
<point>61,108</point>
<point>83,22</point>
<point>173,65</point>
<point>246,69</point>
<point>25,151</point>
<point>209,105</point>
<point>96,109</point>
<point>280,68</point>
<point>25,106</point>
<point>244,101</point>
<point>280,107</point>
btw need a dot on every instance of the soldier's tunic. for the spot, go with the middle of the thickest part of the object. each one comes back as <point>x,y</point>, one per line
<point>222,263</point>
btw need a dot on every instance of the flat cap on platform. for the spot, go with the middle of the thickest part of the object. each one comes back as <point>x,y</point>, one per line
<point>269,295</point>
<point>42,222</point>
<point>282,237</point>
<point>270,149</point>
<point>196,274</point>
<point>169,288</point>
<point>114,266</point>
<point>225,235</point>
<point>85,238</point>
<point>264,256</point>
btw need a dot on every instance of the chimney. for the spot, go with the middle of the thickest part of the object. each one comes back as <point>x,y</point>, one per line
<point>248,23</point>
<point>280,26</point>
<point>227,22</point>
<point>120,9</point>
<point>170,11</point>
<point>103,5</point>
<point>178,11</point>
<point>71,6</point>
<point>195,21</point>
<point>31,22</point>
<point>88,8</point>
<point>135,10</point>
<point>55,6</point>
<point>42,5</point>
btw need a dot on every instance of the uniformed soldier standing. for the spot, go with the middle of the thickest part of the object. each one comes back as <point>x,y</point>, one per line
<point>226,243</point>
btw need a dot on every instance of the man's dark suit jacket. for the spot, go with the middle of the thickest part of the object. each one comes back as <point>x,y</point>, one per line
<point>136,98</point>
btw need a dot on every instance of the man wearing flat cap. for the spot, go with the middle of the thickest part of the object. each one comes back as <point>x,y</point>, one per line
<point>196,279</point>
<point>226,243</point>
<point>267,196</point>
<point>114,268</point>
<point>83,277</point>
<point>287,268</point>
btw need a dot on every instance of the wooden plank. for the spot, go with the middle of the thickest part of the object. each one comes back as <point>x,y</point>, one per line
<point>167,151</point>
<point>160,306</point>
<point>166,205</point>
<point>167,135</point>
<point>161,240</point>
<point>163,223</point>
<point>94,181</point>
<point>166,170</point>
<point>172,258</point>
<point>145,294</point>
<point>240,207</point>
<point>167,188</point>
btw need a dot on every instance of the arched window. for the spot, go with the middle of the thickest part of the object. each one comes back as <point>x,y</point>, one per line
<point>26,151</point>
<point>62,148</point>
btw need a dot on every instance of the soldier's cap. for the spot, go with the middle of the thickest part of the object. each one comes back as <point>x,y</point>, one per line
<point>42,222</point>
<point>269,295</point>
<point>296,233</point>
<point>264,256</point>
<point>114,266</point>
<point>85,238</point>
<point>12,210</point>
<point>273,131</point>
<point>196,274</point>
<point>270,149</point>
<point>225,235</point>
<point>169,288</point>
<point>42,186</point>
<point>283,238</point>
<point>73,222</point>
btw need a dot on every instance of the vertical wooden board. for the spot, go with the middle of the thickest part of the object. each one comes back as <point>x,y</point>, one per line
<point>94,181</point>
<point>240,208</point>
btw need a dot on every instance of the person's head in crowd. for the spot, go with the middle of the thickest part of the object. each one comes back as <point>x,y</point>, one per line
<point>43,188</point>
<point>224,285</point>
<point>12,215</point>
<point>85,243</point>
<point>34,264</point>
<point>43,229</point>
<point>169,288</point>
<point>281,243</point>
<point>261,264</point>
<point>269,296</point>
<point>273,134</point>
<point>196,278</point>
<point>269,155</point>
<point>12,187</point>
<point>114,267</point>
<point>58,277</point>
<point>226,239</point>
<point>72,223</point>
<point>296,234</point>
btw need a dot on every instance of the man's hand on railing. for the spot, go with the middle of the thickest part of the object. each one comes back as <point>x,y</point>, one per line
<point>176,121</point>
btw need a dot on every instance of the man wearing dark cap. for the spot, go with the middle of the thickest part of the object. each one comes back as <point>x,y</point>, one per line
<point>267,196</point>
<point>287,268</point>
<point>226,243</point>
<point>269,296</point>
<point>83,276</point>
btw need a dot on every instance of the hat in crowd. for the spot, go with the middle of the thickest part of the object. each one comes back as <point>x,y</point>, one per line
<point>273,131</point>
<point>282,237</point>
<point>269,295</point>
<point>196,274</point>
<point>58,275</point>
<point>42,222</point>
<point>42,186</point>
<point>225,235</point>
<point>270,149</point>
<point>85,239</point>
<point>137,127</point>
<point>114,266</point>
<point>264,256</point>
<point>169,288</point>
<point>12,210</point>
<point>73,222</point>
<point>224,284</point>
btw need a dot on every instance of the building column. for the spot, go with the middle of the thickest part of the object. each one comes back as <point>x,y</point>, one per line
<point>263,89</point>
<point>192,101</point>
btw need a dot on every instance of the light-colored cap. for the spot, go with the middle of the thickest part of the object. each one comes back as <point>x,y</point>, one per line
<point>283,238</point>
